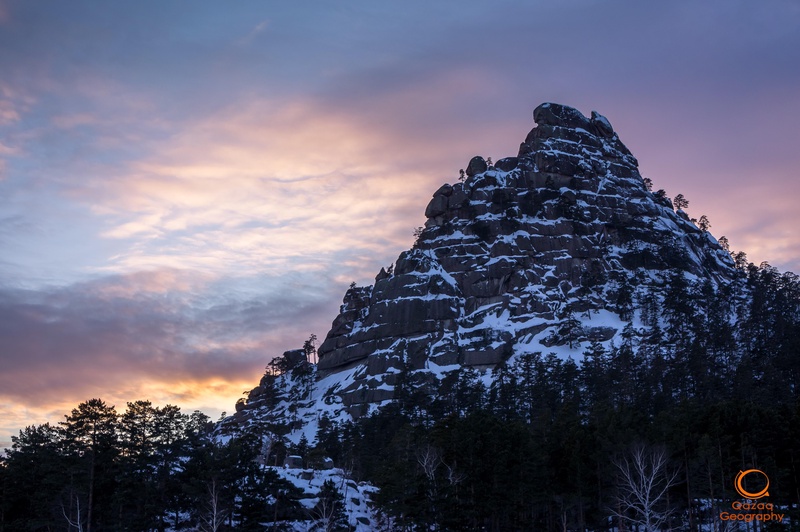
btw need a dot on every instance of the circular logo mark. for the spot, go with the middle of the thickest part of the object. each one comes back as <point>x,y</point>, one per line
<point>746,494</point>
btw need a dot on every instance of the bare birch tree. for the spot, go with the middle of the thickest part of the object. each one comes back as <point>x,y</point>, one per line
<point>644,478</point>
<point>77,522</point>
<point>215,514</point>
<point>328,514</point>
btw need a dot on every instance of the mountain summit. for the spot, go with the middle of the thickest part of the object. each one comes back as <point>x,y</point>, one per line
<point>548,251</point>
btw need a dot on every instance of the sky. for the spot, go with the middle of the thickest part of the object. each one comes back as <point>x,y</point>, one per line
<point>188,188</point>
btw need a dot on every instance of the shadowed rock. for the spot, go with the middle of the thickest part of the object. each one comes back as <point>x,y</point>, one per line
<point>526,256</point>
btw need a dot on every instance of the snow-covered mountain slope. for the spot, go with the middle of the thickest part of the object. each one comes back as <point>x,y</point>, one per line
<point>543,252</point>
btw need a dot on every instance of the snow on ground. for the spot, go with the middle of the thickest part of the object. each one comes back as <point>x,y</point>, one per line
<point>356,496</point>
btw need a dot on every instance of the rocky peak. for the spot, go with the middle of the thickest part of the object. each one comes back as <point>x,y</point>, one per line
<point>539,252</point>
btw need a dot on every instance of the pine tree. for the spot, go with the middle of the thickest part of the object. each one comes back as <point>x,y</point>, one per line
<point>90,432</point>
<point>310,349</point>
<point>37,490</point>
<point>594,373</point>
<point>301,449</point>
<point>136,493</point>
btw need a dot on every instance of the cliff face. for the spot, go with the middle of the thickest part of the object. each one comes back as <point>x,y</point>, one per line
<point>546,251</point>
<point>538,251</point>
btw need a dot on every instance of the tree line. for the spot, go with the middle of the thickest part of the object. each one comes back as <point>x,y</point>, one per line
<point>147,468</point>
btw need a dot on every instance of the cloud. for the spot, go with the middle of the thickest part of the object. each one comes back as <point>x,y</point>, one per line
<point>8,114</point>
<point>167,335</point>
<point>71,121</point>
<point>14,103</point>
<point>8,150</point>
<point>264,186</point>
<point>252,34</point>
<point>161,326</point>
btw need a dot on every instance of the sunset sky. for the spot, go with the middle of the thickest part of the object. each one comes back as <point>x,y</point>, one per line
<point>187,188</point>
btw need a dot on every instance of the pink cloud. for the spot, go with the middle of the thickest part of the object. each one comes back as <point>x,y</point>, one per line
<point>261,186</point>
<point>8,113</point>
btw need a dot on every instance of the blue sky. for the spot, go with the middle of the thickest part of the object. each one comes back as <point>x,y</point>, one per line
<point>187,188</point>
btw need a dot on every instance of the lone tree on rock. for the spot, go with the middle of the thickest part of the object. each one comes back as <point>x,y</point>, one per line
<point>310,348</point>
<point>680,202</point>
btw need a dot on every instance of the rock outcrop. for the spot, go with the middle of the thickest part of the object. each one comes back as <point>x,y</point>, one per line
<point>539,252</point>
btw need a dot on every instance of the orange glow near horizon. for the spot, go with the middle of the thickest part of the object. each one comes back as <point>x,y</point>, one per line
<point>212,397</point>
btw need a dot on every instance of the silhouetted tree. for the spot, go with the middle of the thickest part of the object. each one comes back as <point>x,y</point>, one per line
<point>90,433</point>
<point>680,202</point>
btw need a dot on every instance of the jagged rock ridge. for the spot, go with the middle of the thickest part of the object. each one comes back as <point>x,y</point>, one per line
<point>539,252</point>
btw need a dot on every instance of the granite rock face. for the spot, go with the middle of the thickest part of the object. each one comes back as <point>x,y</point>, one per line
<point>540,252</point>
